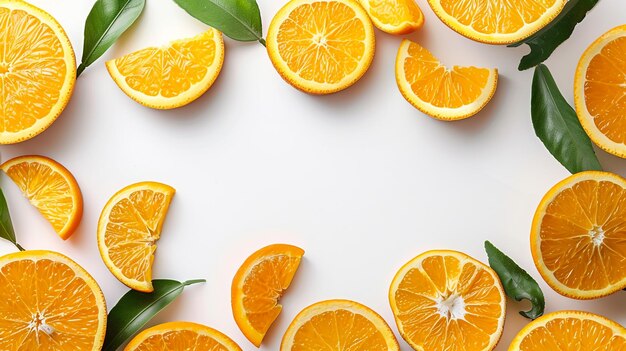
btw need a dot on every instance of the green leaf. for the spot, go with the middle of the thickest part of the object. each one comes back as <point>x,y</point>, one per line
<point>136,308</point>
<point>517,283</point>
<point>557,125</point>
<point>543,43</point>
<point>237,19</point>
<point>105,23</point>
<point>6,225</point>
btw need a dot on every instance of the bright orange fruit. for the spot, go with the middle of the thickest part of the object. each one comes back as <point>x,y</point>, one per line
<point>394,16</point>
<point>181,336</point>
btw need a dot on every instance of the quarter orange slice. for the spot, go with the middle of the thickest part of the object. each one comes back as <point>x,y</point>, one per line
<point>446,300</point>
<point>128,229</point>
<point>394,16</point>
<point>37,69</point>
<point>258,286</point>
<point>339,325</point>
<point>51,188</point>
<point>577,238</point>
<point>570,331</point>
<point>438,91</point>
<point>600,91</point>
<point>321,46</point>
<point>170,76</point>
<point>181,336</point>
<point>48,302</point>
<point>496,21</point>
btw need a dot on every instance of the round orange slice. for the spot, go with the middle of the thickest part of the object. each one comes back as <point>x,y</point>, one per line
<point>600,91</point>
<point>51,188</point>
<point>446,300</point>
<point>181,336</point>
<point>570,330</point>
<point>394,16</point>
<point>258,286</point>
<point>170,76</point>
<point>38,71</point>
<point>321,46</point>
<point>438,91</point>
<point>49,303</point>
<point>577,238</point>
<point>128,229</point>
<point>338,325</point>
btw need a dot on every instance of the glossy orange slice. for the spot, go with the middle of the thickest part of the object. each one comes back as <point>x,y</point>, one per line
<point>394,16</point>
<point>181,336</point>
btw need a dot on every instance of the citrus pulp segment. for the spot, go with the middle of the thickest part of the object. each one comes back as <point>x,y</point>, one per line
<point>181,336</point>
<point>394,16</point>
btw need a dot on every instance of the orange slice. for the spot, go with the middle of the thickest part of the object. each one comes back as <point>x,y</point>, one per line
<point>446,300</point>
<point>51,188</point>
<point>394,16</point>
<point>128,229</point>
<point>600,91</point>
<point>496,21</point>
<point>440,92</point>
<point>48,302</point>
<point>37,70</point>
<point>570,330</point>
<point>259,284</point>
<point>170,76</point>
<point>181,336</point>
<point>577,238</point>
<point>338,325</point>
<point>321,46</point>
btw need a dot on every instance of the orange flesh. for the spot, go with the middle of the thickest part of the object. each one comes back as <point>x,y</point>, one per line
<point>180,340</point>
<point>395,12</point>
<point>569,334</point>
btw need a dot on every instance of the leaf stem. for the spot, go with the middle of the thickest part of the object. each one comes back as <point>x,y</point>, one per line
<point>194,281</point>
<point>262,41</point>
<point>19,246</point>
<point>80,69</point>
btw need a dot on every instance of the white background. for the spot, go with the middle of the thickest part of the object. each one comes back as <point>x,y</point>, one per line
<point>360,179</point>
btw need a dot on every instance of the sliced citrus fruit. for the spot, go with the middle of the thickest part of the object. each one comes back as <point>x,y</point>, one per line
<point>181,336</point>
<point>394,16</point>
<point>321,46</point>
<point>577,238</point>
<point>259,284</point>
<point>37,68</point>
<point>339,325</point>
<point>128,229</point>
<point>600,91</point>
<point>495,21</point>
<point>570,330</point>
<point>170,76</point>
<point>440,92</point>
<point>48,302</point>
<point>446,300</point>
<point>51,188</point>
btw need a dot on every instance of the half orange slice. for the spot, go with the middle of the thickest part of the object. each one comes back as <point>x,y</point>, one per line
<point>181,336</point>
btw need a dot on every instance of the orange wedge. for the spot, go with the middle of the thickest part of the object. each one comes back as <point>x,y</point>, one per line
<point>577,238</point>
<point>438,91</point>
<point>48,302</point>
<point>600,91</point>
<point>170,76</point>
<point>258,286</point>
<point>446,300</point>
<point>321,46</point>
<point>339,325</point>
<point>128,229</point>
<point>51,188</point>
<point>394,16</point>
<point>570,330</point>
<point>181,336</point>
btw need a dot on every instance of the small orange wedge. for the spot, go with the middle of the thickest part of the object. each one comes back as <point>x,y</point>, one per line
<point>394,16</point>
<point>258,286</point>
<point>51,188</point>
<point>129,227</point>
<point>181,336</point>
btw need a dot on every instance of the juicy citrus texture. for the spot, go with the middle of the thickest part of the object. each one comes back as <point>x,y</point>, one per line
<point>440,92</point>
<point>128,229</point>
<point>446,300</point>
<point>181,336</point>
<point>600,91</point>
<point>51,188</point>
<point>37,70</point>
<point>394,16</point>
<point>339,325</point>
<point>321,46</point>
<point>497,21</point>
<point>577,239</point>
<point>49,303</point>
<point>170,76</point>
<point>259,284</point>
<point>570,331</point>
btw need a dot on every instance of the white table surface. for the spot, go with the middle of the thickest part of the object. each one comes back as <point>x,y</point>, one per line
<point>359,179</point>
